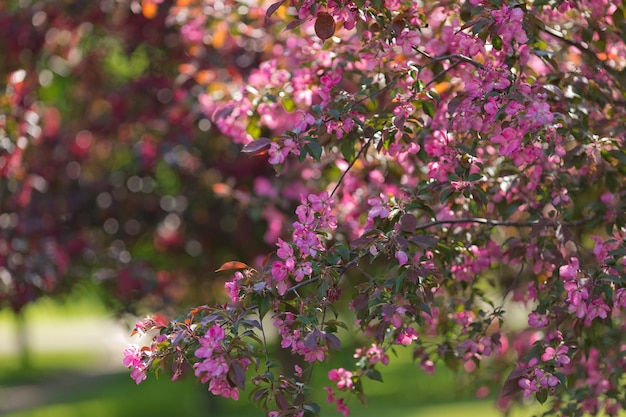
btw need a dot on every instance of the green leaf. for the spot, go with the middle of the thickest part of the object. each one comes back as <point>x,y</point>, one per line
<point>429,108</point>
<point>344,252</point>
<point>374,375</point>
<point>254,127</point>
<point>312,408</point>
<point>314,149</point>
<point>288,104</point>
<point>542,396</point>
<point>347,149</point>
<point>496,41</point>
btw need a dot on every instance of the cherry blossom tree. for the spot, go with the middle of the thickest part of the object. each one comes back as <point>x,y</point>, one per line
<point>437,165</point>
<point>454,160</point>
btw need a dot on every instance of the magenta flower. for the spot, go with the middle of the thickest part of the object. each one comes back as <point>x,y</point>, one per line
<point>559,355</point>
<point>138,375</point>
<point>406,336</point>
<point>342,377</point>
<point>401,257</point>
<point>529,387</point>
<point>538,320</point>
<point>569,271</point>
<point>132,356</point>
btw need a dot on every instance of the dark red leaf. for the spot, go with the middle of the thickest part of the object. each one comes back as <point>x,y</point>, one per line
<point>408,223</point>
<point>273,7</point>
<point>281,401</point>
<point>257,146</point>
<point>324,25</point>
<point>258,395</point>
<point>294,24</point>
<point>237,375</point>
<point>511,385</point>
<point>333,341</point>
<point>424,241</point>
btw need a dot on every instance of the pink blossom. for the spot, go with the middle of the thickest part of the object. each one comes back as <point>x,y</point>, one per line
<point>138,374</point>
<point>377,354</point>
<point>343,408</point>
<point>342,376</point>
<point>379,207</point>
<point>569,271</point>
<point>408,39</point>
<point>538,320</point>
<point>312,355</point>
<point>529,387</point>
<point>509,24</point>
<point>220,386</point>
<point>427,366</point>
<point>132,356</point>
<point>279,270</point>
<point>597,309</point>
<point>402,257</point>
<point>559,355</point>
<point>620,298</point>
<point>406,336</point>
<point>330,394</point>
<point>302,270</point>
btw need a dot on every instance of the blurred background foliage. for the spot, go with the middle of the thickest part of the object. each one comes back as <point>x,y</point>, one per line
<point>109,171</point>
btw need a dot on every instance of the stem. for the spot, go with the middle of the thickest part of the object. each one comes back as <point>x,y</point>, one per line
<point>459,57</point>
<point>267,353</point>
<point>356,158</point>
<point>582,49</point>
<point>491,222</point>
<point>342,271</point>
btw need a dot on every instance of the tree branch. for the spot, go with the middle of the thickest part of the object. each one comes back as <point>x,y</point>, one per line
<point>491,222</point>
<point>356,157</point>
<point>586,51</point>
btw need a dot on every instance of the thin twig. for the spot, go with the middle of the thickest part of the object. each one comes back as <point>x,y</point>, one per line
<point>357,156</point>
<point>267,353</point>
<point>449,57</point>
<point>492,222</point>
<point>342,271</point>
<point>586,51</point>
<point>441,74</point>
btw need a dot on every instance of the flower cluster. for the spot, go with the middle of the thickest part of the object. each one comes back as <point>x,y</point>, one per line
<point>215,365</point>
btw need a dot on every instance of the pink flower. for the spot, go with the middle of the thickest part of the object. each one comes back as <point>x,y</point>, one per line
<point>342,377</point>
<point>276,156</point>
<point>559,355</point>
<point>427,366</point>
<point>529,387</point>
<point>538,320</point>
<point>406,336</point>
<point>279,270</point>
<point>331,395</point>
<point>569,271</point>
<point>343,408</point>
<point>132,356</point>
<point>377,354</point>
<point>302,270</point>
<point>509,24</point>
<point>312,355</point>
<point>408,39</point>
<point>402,257</point>
<point>138,374</point>
<point>597,308</point>
<point>620,298</point>
<point>379,207</point>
